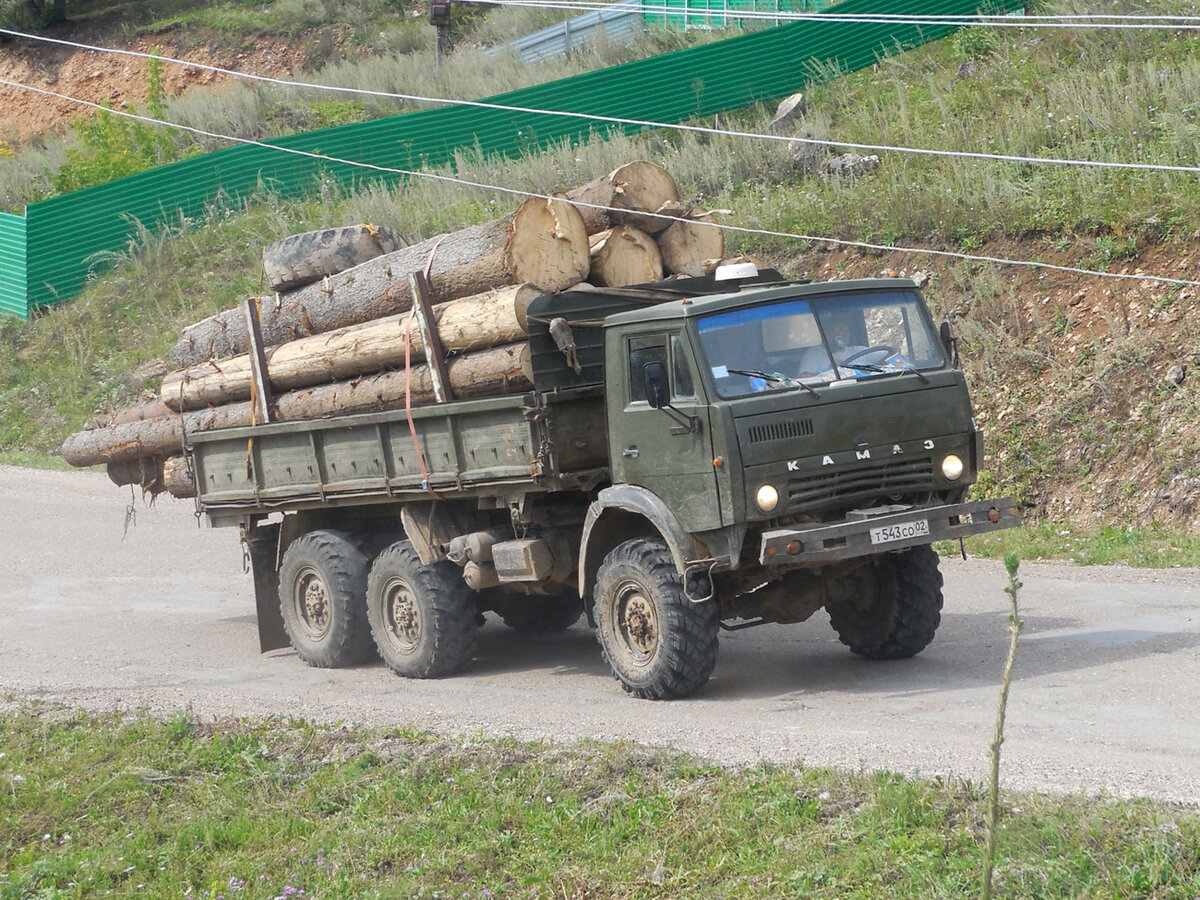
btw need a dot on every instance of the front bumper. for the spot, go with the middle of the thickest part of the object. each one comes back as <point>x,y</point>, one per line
<point>868,532</point>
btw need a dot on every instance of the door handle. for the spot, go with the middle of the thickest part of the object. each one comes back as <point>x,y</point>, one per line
<point>630,453</point>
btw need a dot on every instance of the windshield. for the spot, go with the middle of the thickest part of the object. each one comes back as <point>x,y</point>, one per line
<point>804,343</point>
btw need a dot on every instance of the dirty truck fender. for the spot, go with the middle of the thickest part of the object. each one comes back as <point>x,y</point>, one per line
<point>625,511</point>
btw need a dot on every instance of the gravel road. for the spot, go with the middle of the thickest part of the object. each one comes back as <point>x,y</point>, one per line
<point>160,618</point>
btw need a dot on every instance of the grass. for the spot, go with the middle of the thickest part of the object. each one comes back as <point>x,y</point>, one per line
<point>1151,547</point>
<point>268,809</point>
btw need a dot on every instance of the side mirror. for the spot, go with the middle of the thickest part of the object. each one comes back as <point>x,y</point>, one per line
<point>949,341</point>
<point>656,385</point>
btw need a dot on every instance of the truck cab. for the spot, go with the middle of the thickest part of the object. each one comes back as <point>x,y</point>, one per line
<point>793,446</point>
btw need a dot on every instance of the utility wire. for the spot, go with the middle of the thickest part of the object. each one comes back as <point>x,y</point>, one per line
<point>1115,22</point>
<point>618,120</point>
<point>737,229</point>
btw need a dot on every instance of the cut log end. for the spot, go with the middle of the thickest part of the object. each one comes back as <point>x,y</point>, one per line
<point>689,245</point>
<point>549,244</point>
<point>618,197</point>
<point>625,255</point>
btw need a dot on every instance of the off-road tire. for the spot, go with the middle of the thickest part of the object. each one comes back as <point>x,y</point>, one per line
<point>304,258</point>
<point>660,644</point>
<point>546,615</point>
<point>322,598</point>
<point>902,617</point>
<point>423,618</point>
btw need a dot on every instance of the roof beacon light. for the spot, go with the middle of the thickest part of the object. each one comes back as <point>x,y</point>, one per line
<point>735,271</point>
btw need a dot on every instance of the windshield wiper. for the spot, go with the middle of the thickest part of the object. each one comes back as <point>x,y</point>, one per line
<point>879,370</point>
<point>767,376</point>
<point>908,367</point>
<point>862,367</point>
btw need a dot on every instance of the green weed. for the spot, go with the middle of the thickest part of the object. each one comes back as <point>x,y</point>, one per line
<point>109,146</point>
<point>95,804</point>
<point>1149,547</point>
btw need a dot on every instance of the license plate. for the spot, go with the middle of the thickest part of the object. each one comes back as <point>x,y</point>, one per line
<point>886,534</point>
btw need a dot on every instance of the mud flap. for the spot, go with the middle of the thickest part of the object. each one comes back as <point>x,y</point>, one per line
<point>262,544</point>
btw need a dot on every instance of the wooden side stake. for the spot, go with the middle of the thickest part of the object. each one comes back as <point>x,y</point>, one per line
<point>435,356</point>
<point>263,401</point>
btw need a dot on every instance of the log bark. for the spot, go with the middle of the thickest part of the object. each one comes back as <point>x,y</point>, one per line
<point>149,409</point>
<point>618,197</point>
<point>464,262</point>
<point>146,473</point>
<point>499,370</point>
<point>624,255</point>
<point>177,477</point>
<point>155,475</point>
<point>693,245</point>
<point>483,320</point>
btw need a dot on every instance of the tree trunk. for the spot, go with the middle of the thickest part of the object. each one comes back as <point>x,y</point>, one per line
<point>549,245</point>
<point>156,475</point>
<point>484,320</point>
<point>150,409</point>
<point>692,246</point>
<point>145,472</point>
<point>624,255</point>
<point>543,243</point>
<point>177,477</point>
<point>500,370</point>
<point>618,197</point>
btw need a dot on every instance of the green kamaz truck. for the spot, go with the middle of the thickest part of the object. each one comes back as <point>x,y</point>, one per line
<point>697,454</point>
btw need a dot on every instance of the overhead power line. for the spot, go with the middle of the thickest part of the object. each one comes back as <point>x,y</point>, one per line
<point>736,229</point>
<point>1084,21</point>
<point>618,120</point>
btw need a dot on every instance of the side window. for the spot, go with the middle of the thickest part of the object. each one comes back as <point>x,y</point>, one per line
<point>682,383</point>
<point>642,351</point>
<point>661,349</point>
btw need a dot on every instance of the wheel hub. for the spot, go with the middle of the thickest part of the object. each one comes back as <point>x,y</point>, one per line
<point>404,618</point>
<point>313,604</point>
<point>639,624</point>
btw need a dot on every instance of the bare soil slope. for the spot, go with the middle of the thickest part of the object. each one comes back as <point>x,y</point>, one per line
<point>119,82</point>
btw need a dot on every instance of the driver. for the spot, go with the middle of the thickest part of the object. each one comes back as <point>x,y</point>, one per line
<point>837,332</point>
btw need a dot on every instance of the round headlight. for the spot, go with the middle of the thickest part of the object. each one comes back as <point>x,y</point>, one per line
<point>952,468</point>
<point>767,497</point>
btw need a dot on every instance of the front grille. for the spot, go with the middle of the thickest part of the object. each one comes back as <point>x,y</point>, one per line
<point>779,431</point>
<point>865,485</point>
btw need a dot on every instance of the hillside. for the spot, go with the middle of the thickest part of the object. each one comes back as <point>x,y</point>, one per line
<point>1086,387</point>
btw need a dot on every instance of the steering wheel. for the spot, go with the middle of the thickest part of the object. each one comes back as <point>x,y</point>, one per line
<point>883,349</point>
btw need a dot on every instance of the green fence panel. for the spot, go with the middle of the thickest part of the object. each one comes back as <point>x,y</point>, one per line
<point>688,14</point>
<point>13,288</point>
<point>70,236</point>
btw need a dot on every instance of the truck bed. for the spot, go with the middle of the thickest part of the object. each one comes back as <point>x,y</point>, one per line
<point>531,441</point>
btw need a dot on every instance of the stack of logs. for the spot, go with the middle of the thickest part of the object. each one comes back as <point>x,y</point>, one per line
<point>346,343</point>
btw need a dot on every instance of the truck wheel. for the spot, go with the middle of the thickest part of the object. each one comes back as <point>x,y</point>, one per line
<point>659,643</point>
<point>322,586</point>
<point>422,617</point>
<point>902,617</point>
<point>546,615</point>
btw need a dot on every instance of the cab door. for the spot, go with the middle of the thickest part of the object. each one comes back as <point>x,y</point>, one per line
<point>666,451</point>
